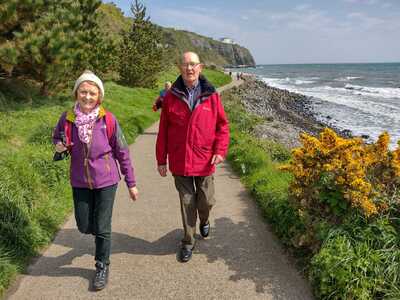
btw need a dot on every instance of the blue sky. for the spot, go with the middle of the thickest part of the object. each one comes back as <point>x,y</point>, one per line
<point>290,31</point>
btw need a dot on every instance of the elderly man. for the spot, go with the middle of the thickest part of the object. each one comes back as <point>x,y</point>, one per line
<point>194,135</point>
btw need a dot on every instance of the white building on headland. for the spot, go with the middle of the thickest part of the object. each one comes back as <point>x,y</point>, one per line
<point>226,40</point>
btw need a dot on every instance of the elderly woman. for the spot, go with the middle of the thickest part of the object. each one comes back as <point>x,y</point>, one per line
<point>94,139</point>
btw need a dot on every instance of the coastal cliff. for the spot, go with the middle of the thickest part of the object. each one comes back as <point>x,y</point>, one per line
<point>212,52</point>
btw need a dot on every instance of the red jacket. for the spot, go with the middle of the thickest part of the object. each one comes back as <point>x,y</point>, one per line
<point>190,138</point>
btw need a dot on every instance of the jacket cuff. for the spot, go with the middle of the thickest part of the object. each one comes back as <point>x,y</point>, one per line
<point>131,184</point>
<point>220,152</point>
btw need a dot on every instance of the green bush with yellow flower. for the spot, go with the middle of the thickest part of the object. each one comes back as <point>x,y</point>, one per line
<point>334,176</point>
<point>346,193</point>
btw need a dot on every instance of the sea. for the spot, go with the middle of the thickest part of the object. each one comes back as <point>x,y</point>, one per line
<point>363,98</point>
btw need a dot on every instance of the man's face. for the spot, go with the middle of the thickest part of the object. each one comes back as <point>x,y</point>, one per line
<point>190,68</point>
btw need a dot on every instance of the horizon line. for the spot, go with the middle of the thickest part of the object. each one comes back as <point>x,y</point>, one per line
<point>330,63</point>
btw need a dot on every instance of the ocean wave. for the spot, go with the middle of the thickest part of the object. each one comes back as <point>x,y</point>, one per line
<point>365,110</point>
<point>300,86</point>
<point>354,87</point>
<point>275,82</point>
<point>283,82</point>
<point>348,78</point>
<point>352,96</point>
<point>375,91</point>
<point>303,81</point>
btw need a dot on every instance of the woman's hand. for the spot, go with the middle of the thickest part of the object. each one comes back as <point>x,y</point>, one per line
<point>133,193</point>
<point>60,147</point>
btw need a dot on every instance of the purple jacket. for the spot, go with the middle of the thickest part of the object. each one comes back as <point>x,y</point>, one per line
<point>94,165</point>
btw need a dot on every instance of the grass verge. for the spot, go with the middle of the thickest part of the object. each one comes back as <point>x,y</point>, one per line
<point>257,163</point>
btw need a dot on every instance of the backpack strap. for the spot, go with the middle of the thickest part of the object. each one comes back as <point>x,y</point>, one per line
<point>69,120</point>
<point>68,134</point>
<point>67,131</point>
<point>110,124</point>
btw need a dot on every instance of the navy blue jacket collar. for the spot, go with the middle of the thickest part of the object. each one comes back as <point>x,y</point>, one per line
<point>179,88</point>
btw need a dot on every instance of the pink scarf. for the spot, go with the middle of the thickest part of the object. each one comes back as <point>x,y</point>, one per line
<point>85,123</point>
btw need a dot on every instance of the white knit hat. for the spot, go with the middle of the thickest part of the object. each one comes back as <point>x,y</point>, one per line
<point>89,76</point>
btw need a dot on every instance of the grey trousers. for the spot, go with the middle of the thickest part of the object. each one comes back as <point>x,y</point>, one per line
<point>196,195</point>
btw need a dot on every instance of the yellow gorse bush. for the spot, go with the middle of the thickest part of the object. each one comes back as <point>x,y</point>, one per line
<point>358,171</point>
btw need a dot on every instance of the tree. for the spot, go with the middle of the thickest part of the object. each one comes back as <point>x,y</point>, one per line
<point>141,51</point>
<point>52,41</point>
<point>98,49</point>
<point>15,15</point>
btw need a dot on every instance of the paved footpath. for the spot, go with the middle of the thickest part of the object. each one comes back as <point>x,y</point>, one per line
<point>240,260</point>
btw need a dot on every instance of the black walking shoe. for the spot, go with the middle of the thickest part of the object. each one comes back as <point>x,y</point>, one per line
<point>101,278</point>
<point>185,254</point>
<point>205,229</point>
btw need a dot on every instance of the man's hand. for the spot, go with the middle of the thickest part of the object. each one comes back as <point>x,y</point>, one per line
<point>217,159</point>
<point>133,193</point>
<point>162,169</point>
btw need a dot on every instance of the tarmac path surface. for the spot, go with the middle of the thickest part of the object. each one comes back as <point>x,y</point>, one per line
<point>241,259</point>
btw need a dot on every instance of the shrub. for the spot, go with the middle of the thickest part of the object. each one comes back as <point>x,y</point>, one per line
<point>358,260</point>
<point>334,176</point>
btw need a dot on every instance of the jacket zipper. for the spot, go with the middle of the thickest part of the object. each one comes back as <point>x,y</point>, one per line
<point>86,164</point>
<point>189,134</point>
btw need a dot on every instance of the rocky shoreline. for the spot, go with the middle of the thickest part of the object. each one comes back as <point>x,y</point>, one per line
<point>286,114</point>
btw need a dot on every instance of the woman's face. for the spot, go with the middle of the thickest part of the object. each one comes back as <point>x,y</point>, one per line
<point>88,95</point>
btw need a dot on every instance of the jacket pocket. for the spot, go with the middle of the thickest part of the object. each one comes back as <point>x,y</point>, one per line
<point>178,117</point>
<point>107,163</point>
<point>202,153</point>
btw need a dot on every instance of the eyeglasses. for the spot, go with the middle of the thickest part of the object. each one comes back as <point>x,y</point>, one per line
<point>190,64</point>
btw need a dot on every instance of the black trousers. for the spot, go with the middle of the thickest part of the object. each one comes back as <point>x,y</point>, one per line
<point>93,214</point>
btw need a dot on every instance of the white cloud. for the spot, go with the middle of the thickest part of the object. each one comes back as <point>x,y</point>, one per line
<point>302,19</point>
<point>301,7</point>
<point>370,23</point>
<point>319,36</point>
<point>198,9</point>
<point>368,2</point>
<point>382,3</point>
<point>210,24</point>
